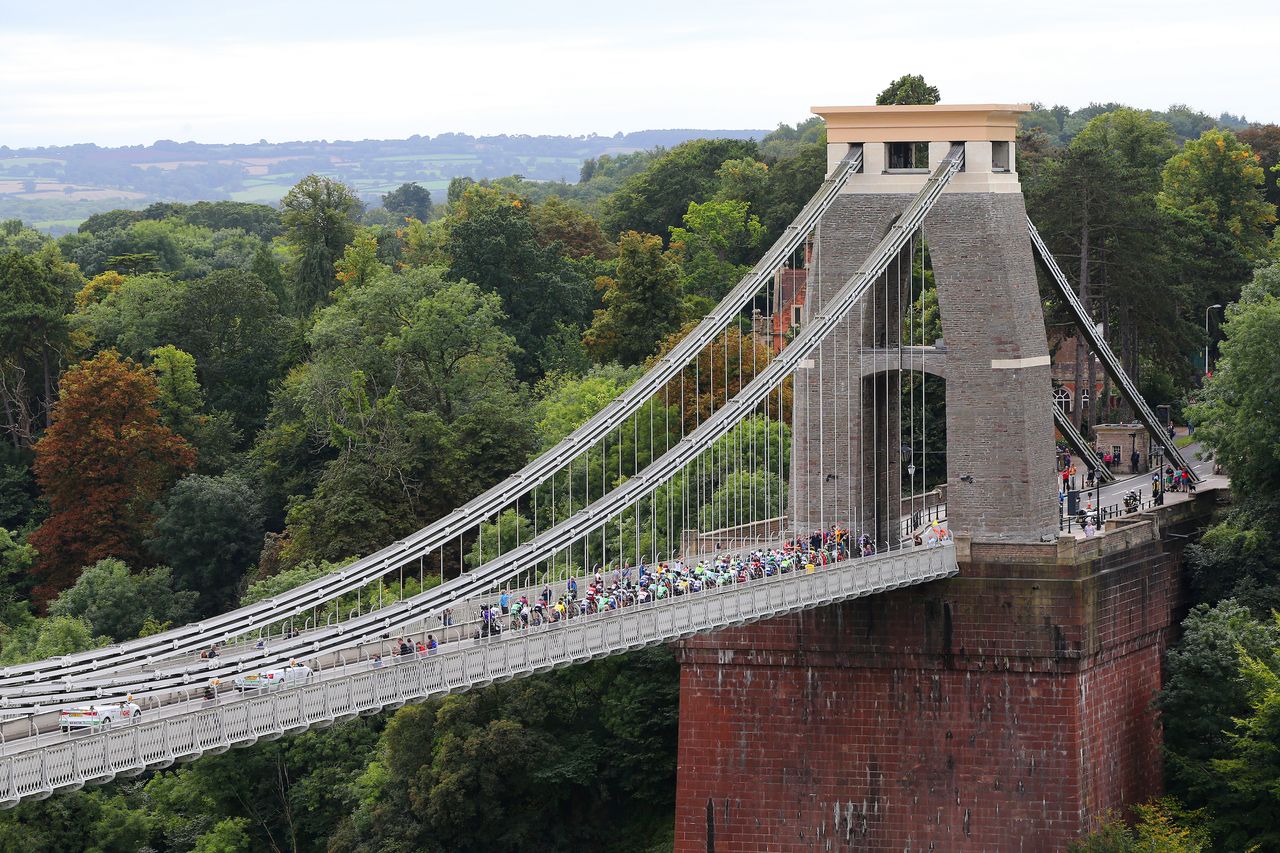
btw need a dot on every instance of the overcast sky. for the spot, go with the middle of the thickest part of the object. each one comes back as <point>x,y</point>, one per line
<point>238,71</point>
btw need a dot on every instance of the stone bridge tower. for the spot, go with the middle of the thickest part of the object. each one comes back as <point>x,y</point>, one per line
<point>1000,448</point>
<point>1005,709</point>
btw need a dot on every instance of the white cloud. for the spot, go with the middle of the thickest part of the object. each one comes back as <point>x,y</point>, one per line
<point>591,70</point>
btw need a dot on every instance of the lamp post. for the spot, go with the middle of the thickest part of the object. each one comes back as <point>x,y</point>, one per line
<point>1206,336</point>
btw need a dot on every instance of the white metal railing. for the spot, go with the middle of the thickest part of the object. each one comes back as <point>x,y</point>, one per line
<point>38,766</point>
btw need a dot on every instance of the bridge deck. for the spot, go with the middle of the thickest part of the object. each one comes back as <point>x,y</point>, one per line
<point>39,765</point>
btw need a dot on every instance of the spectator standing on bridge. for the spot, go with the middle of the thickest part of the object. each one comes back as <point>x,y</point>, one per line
<point>504,602</point>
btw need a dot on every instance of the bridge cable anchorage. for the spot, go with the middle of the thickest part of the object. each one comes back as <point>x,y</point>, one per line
<point>370,627</point>
<point>1108,358</point>
<point>322,591</point>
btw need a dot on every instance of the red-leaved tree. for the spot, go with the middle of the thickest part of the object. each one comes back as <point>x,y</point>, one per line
<point>104,460</point>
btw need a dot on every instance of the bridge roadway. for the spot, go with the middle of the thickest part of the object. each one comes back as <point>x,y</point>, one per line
<point>185,669</point>
<point>185,727</point>
<point>34,706</point>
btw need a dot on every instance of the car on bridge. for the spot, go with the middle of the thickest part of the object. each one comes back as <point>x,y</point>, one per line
<point>284,676</point>
<point>99,716</point>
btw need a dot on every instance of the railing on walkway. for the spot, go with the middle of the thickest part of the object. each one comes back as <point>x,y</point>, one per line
<point>36,767</point>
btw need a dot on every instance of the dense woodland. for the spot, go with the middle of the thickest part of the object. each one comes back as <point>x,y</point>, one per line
<point>304,384</point>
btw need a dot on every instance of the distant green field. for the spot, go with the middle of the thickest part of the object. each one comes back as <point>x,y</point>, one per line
<point>27,161</point>
<point>448,158</point>
<point>47,224</point>
<point>265,194</point>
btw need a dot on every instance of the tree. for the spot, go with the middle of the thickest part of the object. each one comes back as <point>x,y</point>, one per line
<point>1161,826</point>
<point>180,399</point>
<point>714,246</point>
<point>359,262</point>
<point>409,201</point>
<point>1204,692</point>
<point>601,732</point>
<point>1218,180</point>
<point>267,269</point>
<point>318,215</point>
<point>33,334</point>
<point>411,395</point>
<point>228,321</point>
<point>16,559</point>
<point>566,402</point>
<point>227,836</point>
<point>733,359</point>
<point>909,89</point>
<point>40,639</point>
<point>576,231</point>
<point>117,603</point>
<point>103,461</point>
<point>655,200</point>
<point>99,288</point>
<point>1250,771</point>
<point>641,303</point>
<point>1264,140</point>
<point>492,243</point>
<point>1236,415</point>
<point>209,529</point>
<point>792,182</point>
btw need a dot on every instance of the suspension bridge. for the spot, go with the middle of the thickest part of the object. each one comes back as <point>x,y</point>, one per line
<point>736,439</point>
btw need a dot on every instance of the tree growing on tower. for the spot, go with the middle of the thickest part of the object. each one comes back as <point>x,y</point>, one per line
<point>909,89</point>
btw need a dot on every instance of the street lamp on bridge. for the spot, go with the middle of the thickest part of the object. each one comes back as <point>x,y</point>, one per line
<point>1206,335</point>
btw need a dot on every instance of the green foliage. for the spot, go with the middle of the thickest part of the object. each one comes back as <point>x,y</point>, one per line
<point>117,603</point>
<point>24,638</point>
<point>741,497</point>
<point>714,246</point>
<point>498,537</point>
<point>209,529</point>
<point>642,304</point>
<point>577,232</point>
<point>318,215</point>
<point>227,836</point>
<point>1163,826</point>
<point>566,401</point>
<point>1204,691</point>
<point>35,293</point>
<point>655,200</point>
<point>1218,180</point>
<point>228,321</point>
<point>1250,772</point>
<point>1237,416</point>
<point>16,560</point>
<point>295,576</point>
<point>909,89</point>
<point>18,492</point>
<point>409,201</point>
<point>571,742</point>
<point>1095,201</point>
<point>491,242</point>
<point>1236,559</point>
<point>411,392</point>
